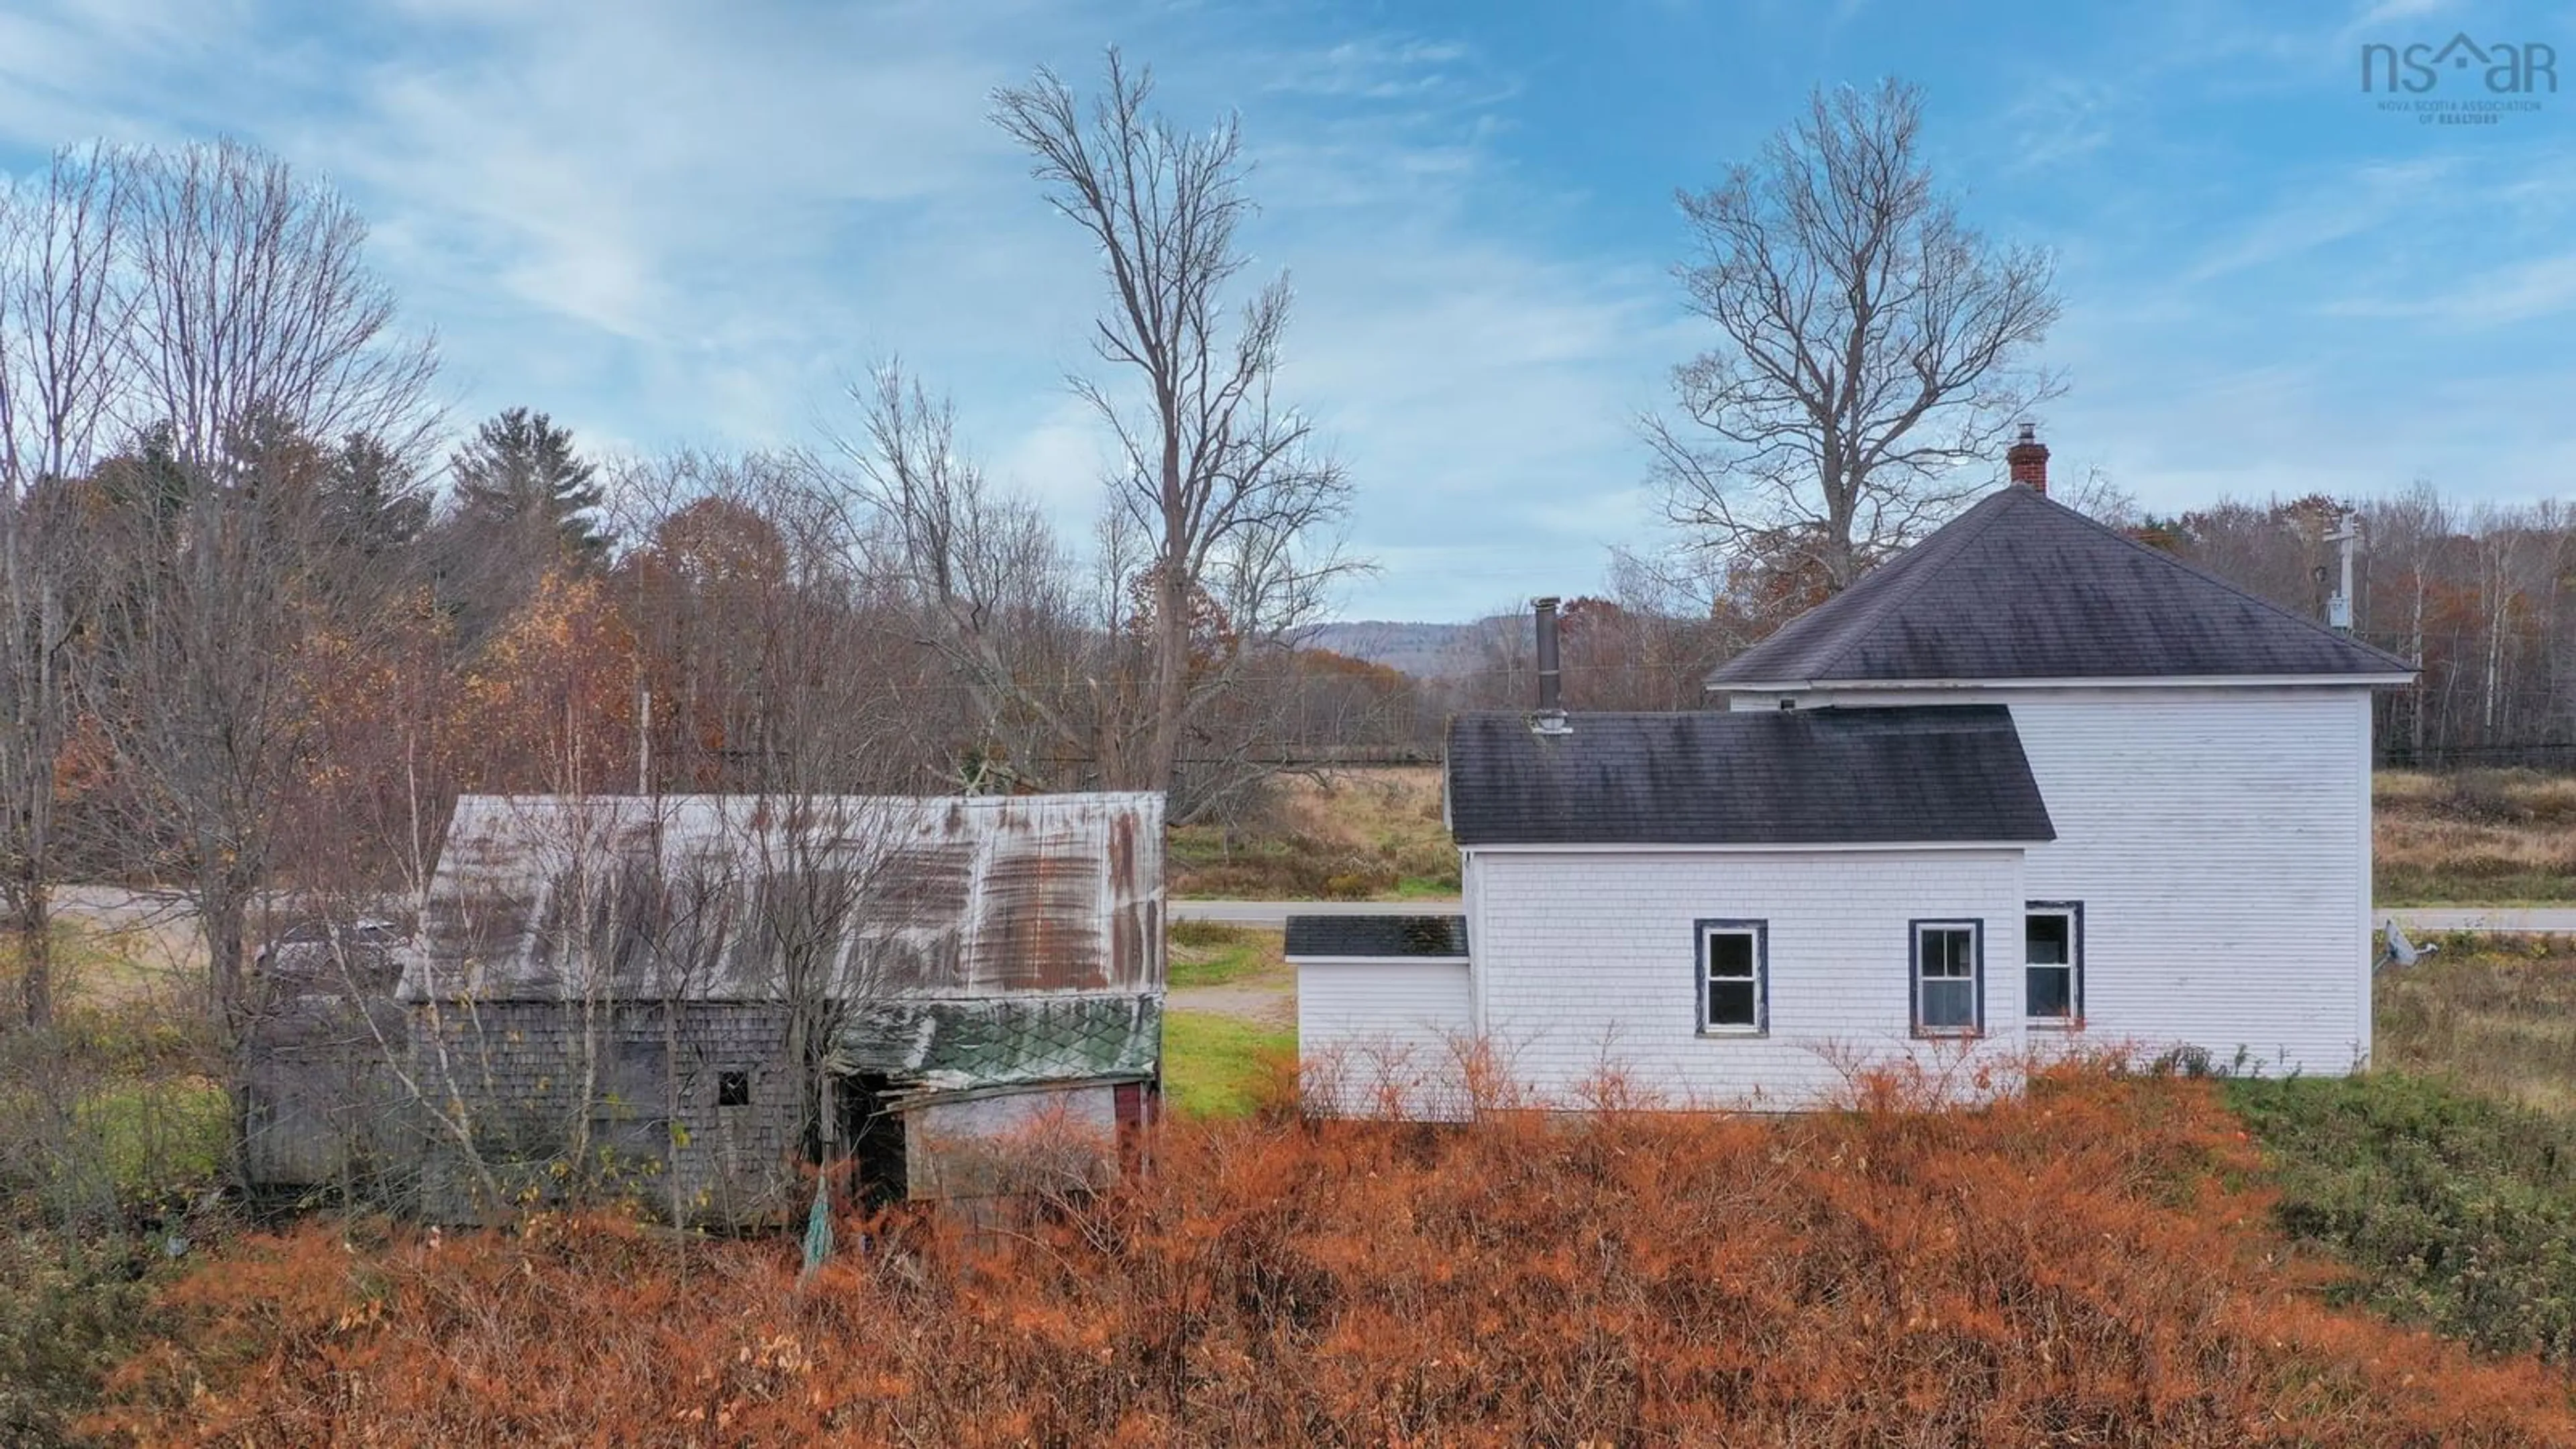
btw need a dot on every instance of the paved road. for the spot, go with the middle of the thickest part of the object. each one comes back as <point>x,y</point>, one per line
<point>2486,918</point>
<point>1276,913</point>
<point>2419,920</point>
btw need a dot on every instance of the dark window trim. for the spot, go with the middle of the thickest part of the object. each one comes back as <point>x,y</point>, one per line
<point>2074,1019</point>
<point>1976,929</point>
<point>1760,931</point>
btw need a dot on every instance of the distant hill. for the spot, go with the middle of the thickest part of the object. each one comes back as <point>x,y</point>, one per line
<point>1425,651</point>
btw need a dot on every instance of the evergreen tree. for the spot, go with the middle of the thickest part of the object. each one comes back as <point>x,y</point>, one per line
<point>372,498</point>
<point>519,481</point>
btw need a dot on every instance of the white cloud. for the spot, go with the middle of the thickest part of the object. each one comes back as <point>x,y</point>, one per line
<point>2361,201</point>
<point>2386,12</point>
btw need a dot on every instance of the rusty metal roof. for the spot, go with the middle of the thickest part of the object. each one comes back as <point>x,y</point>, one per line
<point>709,897</point>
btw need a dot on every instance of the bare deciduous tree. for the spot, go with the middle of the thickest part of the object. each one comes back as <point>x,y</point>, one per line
<point>1233,496</point>
<point>253,301</point>
<point>989,587</point>
<point>61,324</point>
<point>1870,343</point>
<point>257,334</point>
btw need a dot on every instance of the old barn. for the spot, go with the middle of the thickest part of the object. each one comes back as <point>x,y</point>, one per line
<point>691,997</point>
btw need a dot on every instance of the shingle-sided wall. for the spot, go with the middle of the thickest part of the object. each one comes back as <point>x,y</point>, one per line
<point>322,1110</point>
<point>1377,1035</point>
<point>1586,962</point>
<point>542,1079</point>
<point>2219,839</point>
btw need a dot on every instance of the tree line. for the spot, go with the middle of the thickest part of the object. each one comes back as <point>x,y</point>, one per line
<point>263,614</point>
<point>2481,595</point>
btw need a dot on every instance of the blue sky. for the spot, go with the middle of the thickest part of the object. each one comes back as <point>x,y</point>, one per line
<point>674,223</point>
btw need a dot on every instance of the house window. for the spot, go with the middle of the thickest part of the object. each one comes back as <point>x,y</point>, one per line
<point>1949,978</point>
<point>733,1089</point>
<point>2053,962</point>
<point>1734,979</point>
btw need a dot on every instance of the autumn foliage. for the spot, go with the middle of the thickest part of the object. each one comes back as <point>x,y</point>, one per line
<point>2085,1265</point>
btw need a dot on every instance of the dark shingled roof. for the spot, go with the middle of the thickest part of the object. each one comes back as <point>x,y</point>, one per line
<point>1920,773</point>
<point>2021,587</point>
<point>1431,937</point>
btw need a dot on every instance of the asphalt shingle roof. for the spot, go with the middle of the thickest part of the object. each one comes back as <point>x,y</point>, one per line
<point>2023,587</point>
<point>1919,773</point>
<point>1430,937</point>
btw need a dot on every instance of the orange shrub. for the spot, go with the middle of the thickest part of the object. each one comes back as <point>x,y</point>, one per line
<point>2084,1264</point>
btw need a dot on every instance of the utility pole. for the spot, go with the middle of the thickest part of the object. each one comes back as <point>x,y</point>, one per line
<point>2339,608</point>
<point>644,731</point>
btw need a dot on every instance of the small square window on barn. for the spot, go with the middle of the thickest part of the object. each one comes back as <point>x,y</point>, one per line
<point>1949,978</point>
<point>2053,963</point>
<point>1734,977</point>
<point>733,1089</point>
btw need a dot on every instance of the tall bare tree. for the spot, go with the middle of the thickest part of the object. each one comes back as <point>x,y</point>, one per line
<point>776,650</point>
<point>258,334</point>
<point>1869,344</point>
<point>254,301</point>
<point>62,317</point>
<point>1234,498</point>
<point>989,590</point>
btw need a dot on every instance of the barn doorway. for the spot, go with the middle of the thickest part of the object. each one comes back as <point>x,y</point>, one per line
<point>872,1134</point>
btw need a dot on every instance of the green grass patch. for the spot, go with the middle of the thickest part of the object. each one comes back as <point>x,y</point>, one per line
<point>1204,933</point>
<point>1220,1066</point>
<point>152,1136</point>
<point>2454,1210</point>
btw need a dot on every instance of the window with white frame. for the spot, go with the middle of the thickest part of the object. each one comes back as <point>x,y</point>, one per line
<point>1949,978</point>
<point>2053,963</point>
<point>1734,977</point>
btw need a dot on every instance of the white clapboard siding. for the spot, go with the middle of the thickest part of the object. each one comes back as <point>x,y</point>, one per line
<point>1587,968</point>
<point>1384,1035</point>
<point>2219,839</point>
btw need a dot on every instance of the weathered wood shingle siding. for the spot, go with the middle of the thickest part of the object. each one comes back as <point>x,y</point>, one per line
<point>2219,839</point>
<point>536,1078</point>
<point>1587,962</point>
<point>1384,1032</point>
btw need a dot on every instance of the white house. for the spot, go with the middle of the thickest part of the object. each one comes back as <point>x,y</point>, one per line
<point>2027,781</point>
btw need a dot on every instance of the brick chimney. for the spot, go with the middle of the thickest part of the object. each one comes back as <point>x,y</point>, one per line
<point>2029,460</point>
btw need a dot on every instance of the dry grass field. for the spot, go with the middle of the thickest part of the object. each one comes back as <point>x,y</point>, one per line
<point>2491,1014</point>
<point>2487,837</point>
<point>1371,834</point>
